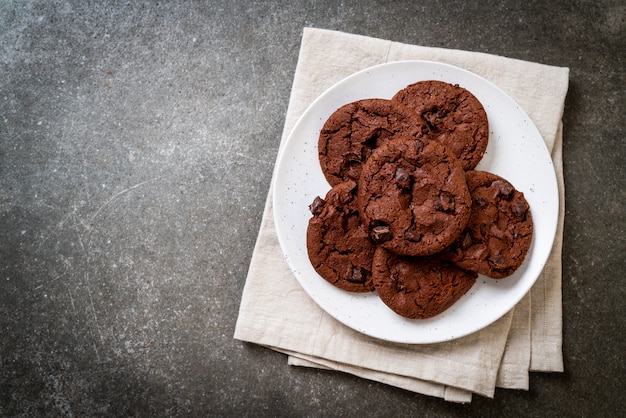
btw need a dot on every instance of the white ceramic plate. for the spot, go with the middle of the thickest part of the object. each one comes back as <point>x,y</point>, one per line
<point>516,151</point>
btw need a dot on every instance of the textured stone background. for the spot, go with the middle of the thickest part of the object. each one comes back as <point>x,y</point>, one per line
<point>137,142</point>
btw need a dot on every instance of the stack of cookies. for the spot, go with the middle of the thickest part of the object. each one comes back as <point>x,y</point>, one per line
<point>408,216</point>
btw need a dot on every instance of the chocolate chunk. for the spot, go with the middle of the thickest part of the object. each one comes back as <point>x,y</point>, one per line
<point>317,206</point>
<point>445,203</point>
<point>504,188</point>
<point>519,209</point>
<point>355,275</point>
<point>496,232</point>
<point>412,235</point>
<point>478,252</point>
<point>351,166</point>
<point>434,116</point>
<point>403,178</point>
<point>480,202</point>
<point>380,233</point>
<point>497,260</point>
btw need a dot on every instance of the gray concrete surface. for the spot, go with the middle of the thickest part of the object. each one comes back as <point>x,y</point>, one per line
<point>137,141</point>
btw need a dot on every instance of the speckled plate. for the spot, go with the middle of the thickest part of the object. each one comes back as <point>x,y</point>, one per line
<point>516,152</point>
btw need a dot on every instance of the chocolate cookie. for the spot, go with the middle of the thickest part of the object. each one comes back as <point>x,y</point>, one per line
<point>351,133</point>
<point>499,233</point>
<point>412,196</point>
<point>418,287</point>
<point>455,117</point>
<point>338,245</point>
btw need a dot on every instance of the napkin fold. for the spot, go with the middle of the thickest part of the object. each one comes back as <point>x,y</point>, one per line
<point>277,313</point>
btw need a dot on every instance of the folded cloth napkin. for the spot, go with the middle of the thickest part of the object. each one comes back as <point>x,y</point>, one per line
<point>277,313</point>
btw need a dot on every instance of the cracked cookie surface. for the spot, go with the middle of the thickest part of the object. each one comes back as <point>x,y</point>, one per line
<point>418,287</point>
<point>412,196</point>
<point>455,117</point>
<point>338,245</point>
<point>353,131</point>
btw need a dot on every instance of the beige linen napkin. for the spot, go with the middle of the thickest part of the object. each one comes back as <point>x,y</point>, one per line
<point>277,313</point>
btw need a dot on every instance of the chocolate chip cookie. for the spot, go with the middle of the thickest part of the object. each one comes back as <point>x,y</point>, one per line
<point>338,244</point>
<point>351,133</point>
<point>418,287</point>
<point>413,197</point>
<point>499,233</point>
<point>455,117</point>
